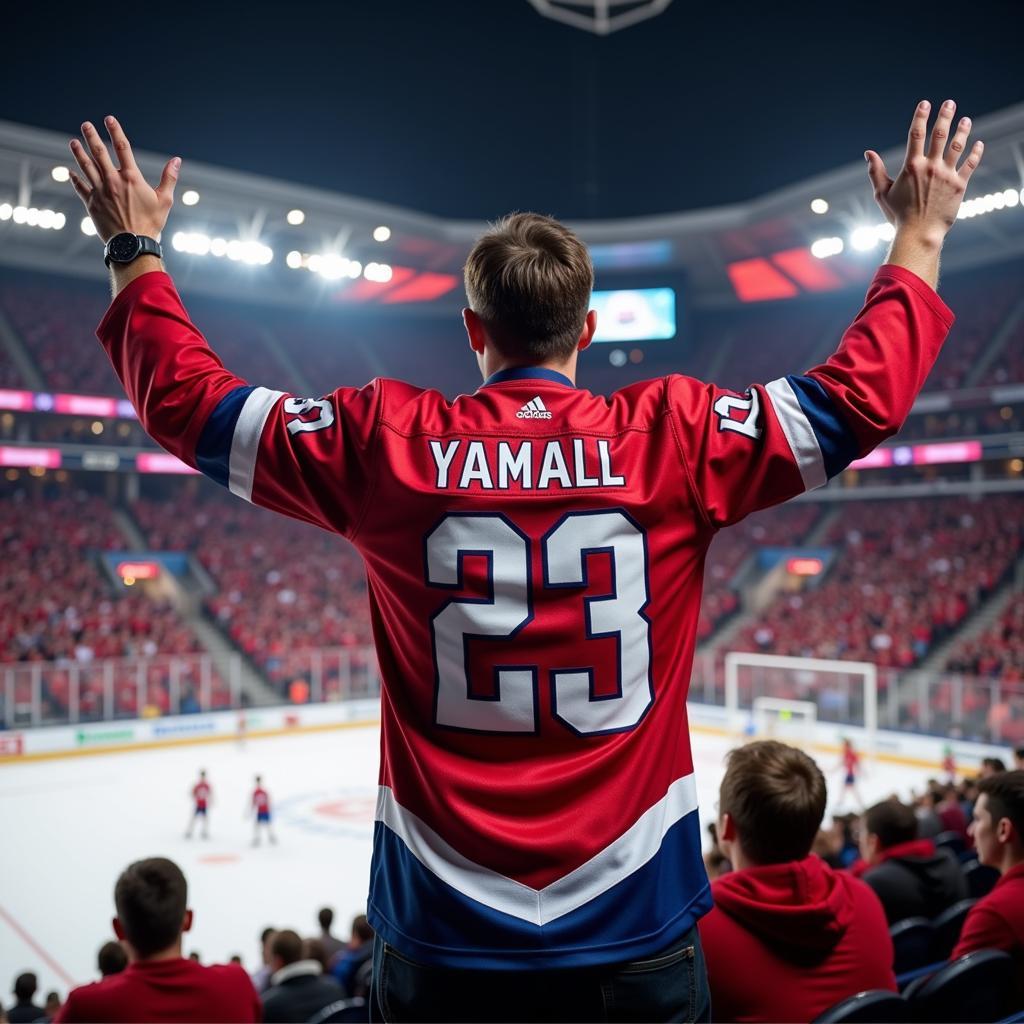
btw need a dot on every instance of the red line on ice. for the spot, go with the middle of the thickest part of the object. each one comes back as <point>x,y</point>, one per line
<point>37,949</point>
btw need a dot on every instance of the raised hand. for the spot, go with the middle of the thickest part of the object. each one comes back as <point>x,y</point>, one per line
<point>118,198</point>
<point>927,193</point>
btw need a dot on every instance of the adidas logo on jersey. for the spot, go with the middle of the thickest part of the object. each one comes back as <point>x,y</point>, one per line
<point>534,410</point>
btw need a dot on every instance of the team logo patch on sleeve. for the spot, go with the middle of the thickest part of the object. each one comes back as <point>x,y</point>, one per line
<point>534,410</point>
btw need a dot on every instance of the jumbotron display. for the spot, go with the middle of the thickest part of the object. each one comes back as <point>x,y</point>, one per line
<point>635,314</point>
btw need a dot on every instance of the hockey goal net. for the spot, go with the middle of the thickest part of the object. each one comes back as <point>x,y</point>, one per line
<point>770,696</point>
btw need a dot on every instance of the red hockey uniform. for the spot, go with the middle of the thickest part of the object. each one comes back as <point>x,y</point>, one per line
<point>534,555</point>
<point>261,803</point>
<point>201,794</point>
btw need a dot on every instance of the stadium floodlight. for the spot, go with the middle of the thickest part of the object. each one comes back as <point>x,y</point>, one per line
<point>355,268</point>
<point>59,221</point>
<point>825,247</point>
<point>381,233</point>
<point>294,259</point>
<point>1011,197</point>
<point>87,226</point>
<point>380,273</point>
<point>819,206</point>
<point>617,357</point>
<point>864,238</point>
<point>296,217</point>
<point>6,211</point>
<point>190,197</point>
<point>20,215</point>
<point>60,173</point>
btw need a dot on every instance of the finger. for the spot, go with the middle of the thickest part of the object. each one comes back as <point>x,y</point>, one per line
<point>880,179</point>
<point>89,169</point>
<point>98,150</point>
<point>940,130</point>
<point>970,165</point>
<point>169,178</point>
<point>122,148</point>
<point>918,130</point>
<point>81,188</point>
<point>959,143</point>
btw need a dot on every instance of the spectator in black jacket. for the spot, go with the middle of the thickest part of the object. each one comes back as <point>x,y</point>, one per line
<point>908,874</point>
<point>298,987</point>
<point>24,1009</point>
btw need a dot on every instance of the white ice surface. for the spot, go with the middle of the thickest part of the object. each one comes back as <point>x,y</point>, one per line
<point>68,827</point>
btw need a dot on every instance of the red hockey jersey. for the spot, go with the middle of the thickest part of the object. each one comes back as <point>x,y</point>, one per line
<point>534,556</point>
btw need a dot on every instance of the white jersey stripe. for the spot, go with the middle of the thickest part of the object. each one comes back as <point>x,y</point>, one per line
<point>799,433</point>
<point>612,865</point>
<point>245,443</point>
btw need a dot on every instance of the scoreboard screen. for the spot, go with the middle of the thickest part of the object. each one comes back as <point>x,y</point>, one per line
<point>635,314</point>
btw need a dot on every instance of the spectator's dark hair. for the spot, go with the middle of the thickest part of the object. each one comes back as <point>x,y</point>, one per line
<point>1005,798</point>
<point>25,986</point>
<point>997,764</point>
<point>326,918</point>
<point>529,279</point>
<point>1018,752</point>
<point>111,959</point>
<point>892,822</point>
<point>151,897</point>
<point>265,934</point>
<point>314,949</point>
<point>236,958</point>
<point>776,797</point>
<point>286,946</point>
<point>361,928</point>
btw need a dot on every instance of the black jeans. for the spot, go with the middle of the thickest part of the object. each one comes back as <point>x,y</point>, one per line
<point>671,985</point>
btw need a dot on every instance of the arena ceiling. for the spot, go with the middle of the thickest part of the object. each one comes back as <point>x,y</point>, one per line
<point>749,251</point>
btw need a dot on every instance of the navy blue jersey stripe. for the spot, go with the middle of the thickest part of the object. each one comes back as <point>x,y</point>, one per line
<point>213,453</point>
<point>838,445</point>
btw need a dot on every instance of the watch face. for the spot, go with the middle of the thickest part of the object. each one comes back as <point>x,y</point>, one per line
<point>123,248</point>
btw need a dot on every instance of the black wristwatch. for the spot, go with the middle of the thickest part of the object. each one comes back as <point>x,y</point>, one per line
<point>125,247</point>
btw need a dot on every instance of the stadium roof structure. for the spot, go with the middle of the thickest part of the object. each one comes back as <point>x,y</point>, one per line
<point>242,238</point>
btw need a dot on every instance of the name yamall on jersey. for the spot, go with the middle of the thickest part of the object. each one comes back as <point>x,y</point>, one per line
<point>561,463</point>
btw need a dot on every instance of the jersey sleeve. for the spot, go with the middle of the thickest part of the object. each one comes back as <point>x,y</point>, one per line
<point>309,458</point>
<point>747,451</point>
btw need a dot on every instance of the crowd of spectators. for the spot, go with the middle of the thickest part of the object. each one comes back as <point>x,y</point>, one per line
<point>59,609</point>
<point>905,574</point>
<point>283,588</point>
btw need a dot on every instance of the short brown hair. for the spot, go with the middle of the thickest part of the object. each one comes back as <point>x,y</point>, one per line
<point>287,946</point>
<point>776,797</point>
<point>1005,793</point>
<point>892,822</point>
<point>529,280</point>
<point>150,897</point>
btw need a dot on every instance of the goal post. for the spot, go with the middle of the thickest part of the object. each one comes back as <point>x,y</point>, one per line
<point>775,694</point>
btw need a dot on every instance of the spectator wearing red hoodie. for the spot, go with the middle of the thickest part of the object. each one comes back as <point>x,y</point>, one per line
<point>788,936</point>
<point>909,875</point>
<point>159,984</point>
<point>997,921</point>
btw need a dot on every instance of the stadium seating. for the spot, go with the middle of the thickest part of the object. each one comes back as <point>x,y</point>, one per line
<point>906,574</point>
<point>873,1007</point>
<point>284,588</point>
<point>58,609</point>
<point>977,987</point>
<point>911,943</point>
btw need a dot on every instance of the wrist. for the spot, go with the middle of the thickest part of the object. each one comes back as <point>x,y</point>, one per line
<point>122,274</point>
<point>928,239</point>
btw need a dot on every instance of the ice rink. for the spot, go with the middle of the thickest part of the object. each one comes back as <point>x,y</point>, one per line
<point>70,826</point>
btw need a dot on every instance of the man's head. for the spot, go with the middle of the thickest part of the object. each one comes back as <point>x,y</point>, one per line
<point>25,987</point>
<point>326,919</point>
<point>362,930</point>
<point>991,766</point>
<point>528,281</point>
<point>285,949</point>
<point>202,775</point>
<point>998,822</point>
<point>111,959</point>
<point>886,825</point>
<point>771,803</point>
<point>266,937</point>
<point>150,897</point>
<point>1018,758</point>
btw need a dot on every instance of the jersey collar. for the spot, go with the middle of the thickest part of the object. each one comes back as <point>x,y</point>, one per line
<point>528,373</point>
